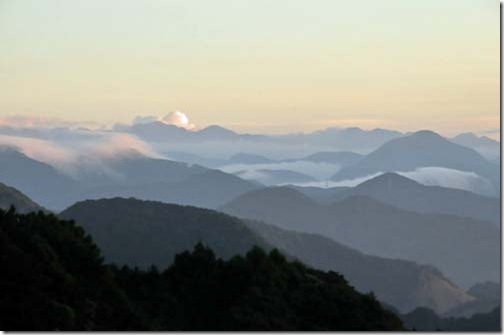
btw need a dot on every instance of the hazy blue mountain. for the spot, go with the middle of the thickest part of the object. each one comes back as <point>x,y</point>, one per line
<point>424,319</point>
<point>343,158</point>
<point>354,137</point>
<point>39,181</point>
<point>216,133</point>
<point>486,146</point>
<point>145,233</point>
<point>142,169</point>
<point>130,175</point>
<point>209,189</point>
<point>464,249</point>
<point>191,158</point>
<point>403,284</point>
<point>158,131</point>
<point>275,177</point>
<point>420,149</point>
<point>245,158</point>
<point>322,195</point>
<point>9,196</point>
<point>399,191</point>
<point>488,297</point>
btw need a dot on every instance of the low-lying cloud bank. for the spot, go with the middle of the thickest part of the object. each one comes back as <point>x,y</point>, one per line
<point>432,176</point>
<point>78,155</point>
<point>319,171</point>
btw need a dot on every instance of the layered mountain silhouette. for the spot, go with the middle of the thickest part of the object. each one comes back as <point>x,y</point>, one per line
<point>345,138</point>
<point>342,158</point>
<point>131,175</point>
<point>399,191</point>
<point>142,233</point>
<point>465,249</point>
<point>421,149</point>
<point>402,284</point>
<point>486,146</point>
<point>275,177</point>
<point>244,158</point>
<point>319,194</point>
<point>158,131</point>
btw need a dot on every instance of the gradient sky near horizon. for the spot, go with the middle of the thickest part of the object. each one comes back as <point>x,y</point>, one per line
<point>255,65</point>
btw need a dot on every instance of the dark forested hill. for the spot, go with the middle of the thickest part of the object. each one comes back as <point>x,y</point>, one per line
<point>145,233</point>
<point>53,279</point>
<point>258,292</point>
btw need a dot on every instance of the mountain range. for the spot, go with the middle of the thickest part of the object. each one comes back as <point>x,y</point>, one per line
<point>142,233</point>
<point>131,175</point>
<point>421,149</point>
<point>404,193</point>
<point>464,249</point>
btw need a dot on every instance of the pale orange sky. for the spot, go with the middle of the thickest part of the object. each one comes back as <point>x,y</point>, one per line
<point>257,65</point>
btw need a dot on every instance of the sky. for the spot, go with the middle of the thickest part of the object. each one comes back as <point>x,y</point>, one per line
<point>255,65</point>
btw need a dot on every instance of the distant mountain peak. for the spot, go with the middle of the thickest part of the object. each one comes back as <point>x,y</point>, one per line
<point>427,134</point>
<point>388,180</point>
<point>275,194</point>
<point>216,129</point>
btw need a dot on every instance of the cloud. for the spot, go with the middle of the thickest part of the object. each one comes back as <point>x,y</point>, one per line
<point>38,149</point>
<point>321,171</point>
<point>75,156</point>
<point>176,118</point>
<point>438,176</point>
<point>432,176</point>
<point>341,183</point>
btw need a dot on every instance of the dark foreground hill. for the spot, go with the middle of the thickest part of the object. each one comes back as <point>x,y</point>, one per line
<point>145,233</point>
<point>53,278</point>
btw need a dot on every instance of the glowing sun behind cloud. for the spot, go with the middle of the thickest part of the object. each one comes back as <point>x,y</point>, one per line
<point>176,118</point>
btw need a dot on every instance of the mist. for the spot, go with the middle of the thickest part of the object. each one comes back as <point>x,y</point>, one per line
<point>431,176</point>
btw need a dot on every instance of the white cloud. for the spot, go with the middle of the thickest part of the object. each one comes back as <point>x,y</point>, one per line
<point>439,176</point>
<point>321,171</point>
<point>76,155</point>
<point>176,118</point>
<point>432,176</point>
